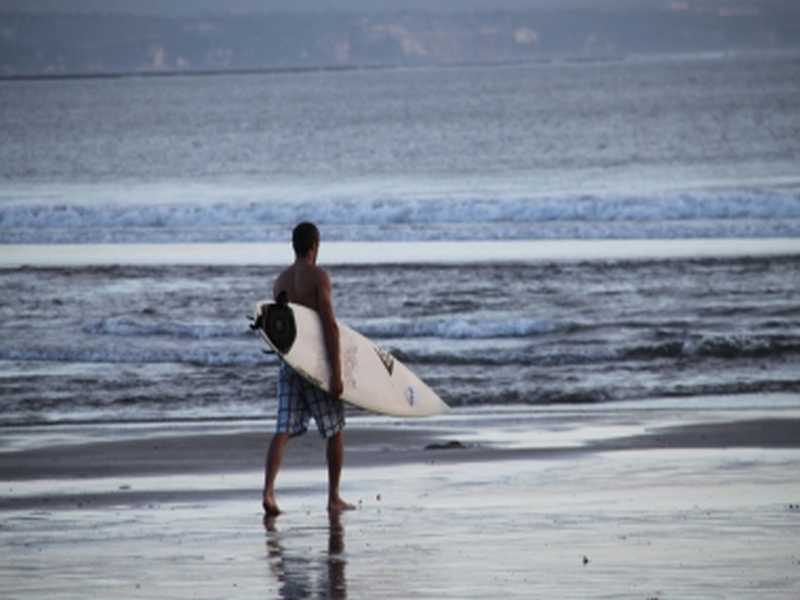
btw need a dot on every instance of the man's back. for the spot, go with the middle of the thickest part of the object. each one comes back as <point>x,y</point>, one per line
<point>302,283</point>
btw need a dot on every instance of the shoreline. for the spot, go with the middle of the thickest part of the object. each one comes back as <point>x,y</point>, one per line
<point>642,504</point>
<point>52,475</point>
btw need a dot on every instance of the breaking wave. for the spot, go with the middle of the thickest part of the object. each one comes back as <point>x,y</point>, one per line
<point>719,346</point>
<point>216,351</point>
<point>130,327</point>
<point>474,327</point>
<point>761,212</point>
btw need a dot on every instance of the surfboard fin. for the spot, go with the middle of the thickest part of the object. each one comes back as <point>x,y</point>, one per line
<point>256,323</point>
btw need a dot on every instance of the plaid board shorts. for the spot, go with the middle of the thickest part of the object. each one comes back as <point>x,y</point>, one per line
<point>298,401</point>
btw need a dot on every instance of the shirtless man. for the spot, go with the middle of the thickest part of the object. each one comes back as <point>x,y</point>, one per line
<point>305,283</point>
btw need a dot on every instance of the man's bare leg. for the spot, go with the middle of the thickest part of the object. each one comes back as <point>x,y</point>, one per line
<point>335,456</point>
<point>273,463</point>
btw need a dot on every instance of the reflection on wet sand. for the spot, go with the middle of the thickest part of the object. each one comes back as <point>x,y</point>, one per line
<point>301,573</point>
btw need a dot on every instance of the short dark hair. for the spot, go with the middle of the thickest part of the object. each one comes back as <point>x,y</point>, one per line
<point>304,236</point>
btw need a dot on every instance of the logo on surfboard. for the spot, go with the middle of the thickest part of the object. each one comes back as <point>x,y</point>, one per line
<point>411,395</point>
<point>386,358</point>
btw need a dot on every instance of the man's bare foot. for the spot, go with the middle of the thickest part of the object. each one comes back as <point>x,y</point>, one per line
<point>337,505</point>
<point>270,506</point>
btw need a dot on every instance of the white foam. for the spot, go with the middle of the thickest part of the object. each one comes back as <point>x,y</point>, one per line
<point>131,327</point>
<point>212,217</point>
<point>454,327</point>
<point>344,253</point>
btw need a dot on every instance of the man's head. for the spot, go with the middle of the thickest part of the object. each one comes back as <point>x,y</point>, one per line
<point>304,238</point>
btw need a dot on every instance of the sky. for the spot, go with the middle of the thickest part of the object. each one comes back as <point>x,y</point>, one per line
<point>189,7</point>
<point>206,7</point>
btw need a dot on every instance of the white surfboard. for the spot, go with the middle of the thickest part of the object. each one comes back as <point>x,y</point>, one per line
<point>373,379</point>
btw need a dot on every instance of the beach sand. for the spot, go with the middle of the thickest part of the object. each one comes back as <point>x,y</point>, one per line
<point>614,501</point>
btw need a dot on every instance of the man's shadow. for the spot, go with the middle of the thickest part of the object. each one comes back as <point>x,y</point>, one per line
<point>296,572</point>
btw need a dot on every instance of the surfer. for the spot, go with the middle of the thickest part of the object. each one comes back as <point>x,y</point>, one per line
<point>305,283</point>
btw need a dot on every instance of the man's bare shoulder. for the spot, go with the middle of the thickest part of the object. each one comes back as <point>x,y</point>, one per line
<point>305,284</point>
<point>315,276</point>
<point>281,280</point>
<point>322,276</point>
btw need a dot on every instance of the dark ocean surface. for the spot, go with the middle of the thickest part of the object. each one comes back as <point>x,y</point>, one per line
<point>152,343</point>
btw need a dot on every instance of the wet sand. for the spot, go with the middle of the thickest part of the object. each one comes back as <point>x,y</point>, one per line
<point>530,503</point>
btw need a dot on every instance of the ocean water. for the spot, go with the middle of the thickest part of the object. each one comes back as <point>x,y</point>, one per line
<point>692,147</point>
<point>682,148</point>
<point>156,343</point>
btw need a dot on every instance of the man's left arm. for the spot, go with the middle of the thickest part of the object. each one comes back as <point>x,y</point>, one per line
<point>331,333</point>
